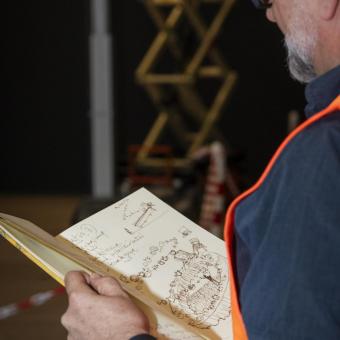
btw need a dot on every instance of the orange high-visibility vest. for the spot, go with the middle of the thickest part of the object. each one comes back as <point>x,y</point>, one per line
<point>239,330</point>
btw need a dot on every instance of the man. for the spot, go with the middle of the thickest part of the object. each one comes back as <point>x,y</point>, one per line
<point>286,242</point>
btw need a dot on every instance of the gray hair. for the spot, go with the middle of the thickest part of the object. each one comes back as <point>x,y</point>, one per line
<point>300,42</point>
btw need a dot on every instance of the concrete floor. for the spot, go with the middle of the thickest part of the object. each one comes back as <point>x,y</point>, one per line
<point>20,278</point>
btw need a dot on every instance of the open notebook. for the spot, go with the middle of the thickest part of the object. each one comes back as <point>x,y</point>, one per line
<point>175,271</point>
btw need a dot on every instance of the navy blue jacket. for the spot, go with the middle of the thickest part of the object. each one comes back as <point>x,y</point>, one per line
<point>287,236</point>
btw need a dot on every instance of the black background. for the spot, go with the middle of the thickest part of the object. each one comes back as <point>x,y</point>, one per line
<point>44,104</point>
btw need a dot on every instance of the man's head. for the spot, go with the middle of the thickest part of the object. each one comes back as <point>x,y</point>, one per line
<point>312,34</point>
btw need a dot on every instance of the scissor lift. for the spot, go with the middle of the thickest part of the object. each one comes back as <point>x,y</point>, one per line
<point>184,83</point>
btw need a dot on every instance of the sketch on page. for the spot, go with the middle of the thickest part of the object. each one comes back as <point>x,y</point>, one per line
<point>136,217</point>
<point>97,243</point>
<point>197,290</point>
<point>164,256</point>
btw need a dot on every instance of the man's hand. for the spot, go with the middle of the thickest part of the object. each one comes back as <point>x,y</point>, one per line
<point>100,310</point>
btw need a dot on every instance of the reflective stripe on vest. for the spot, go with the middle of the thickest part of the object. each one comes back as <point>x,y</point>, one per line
<point>239,330</point>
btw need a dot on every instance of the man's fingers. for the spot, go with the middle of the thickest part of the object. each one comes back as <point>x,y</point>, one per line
<point>107,286</point>
<point>77,282</point>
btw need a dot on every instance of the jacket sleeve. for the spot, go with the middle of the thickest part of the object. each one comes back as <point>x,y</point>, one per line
<point>143,337</point>
<point>291,289</point>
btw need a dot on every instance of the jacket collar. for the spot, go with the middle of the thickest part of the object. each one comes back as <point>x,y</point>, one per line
<point>322,91</point>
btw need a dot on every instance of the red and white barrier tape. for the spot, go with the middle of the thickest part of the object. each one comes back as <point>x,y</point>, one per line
<point>213,204</point>
<point>33,301</point>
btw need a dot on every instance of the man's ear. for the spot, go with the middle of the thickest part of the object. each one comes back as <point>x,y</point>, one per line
<point>328,8</point>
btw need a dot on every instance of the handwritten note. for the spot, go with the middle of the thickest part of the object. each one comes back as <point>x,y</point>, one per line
<point>161,254</point>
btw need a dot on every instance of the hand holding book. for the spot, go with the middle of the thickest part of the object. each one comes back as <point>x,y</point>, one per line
<point>175,271</point>
<point>100,309</point>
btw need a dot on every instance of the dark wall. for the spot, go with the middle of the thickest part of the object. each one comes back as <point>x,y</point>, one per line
<point>44,90</point>
<point>44,96</point>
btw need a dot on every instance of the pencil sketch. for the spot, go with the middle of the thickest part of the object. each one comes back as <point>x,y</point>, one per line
<point>163,257</point>
<point>184,231</point>
<point>87,237</point>
<point>199,291</point>
<point>156,259</point>
<point>96,243</point>
<point>137,218</point>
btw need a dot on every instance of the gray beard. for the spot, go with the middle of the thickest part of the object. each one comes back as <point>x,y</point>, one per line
<point>299,64</point>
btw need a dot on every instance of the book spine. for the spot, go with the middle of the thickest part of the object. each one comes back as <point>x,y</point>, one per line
<point>7,236</point>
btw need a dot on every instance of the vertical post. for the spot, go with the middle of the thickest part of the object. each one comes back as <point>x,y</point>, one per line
<point>101,101</point>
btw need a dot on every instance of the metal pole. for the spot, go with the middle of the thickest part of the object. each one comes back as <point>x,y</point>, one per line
<point>101,101</point>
